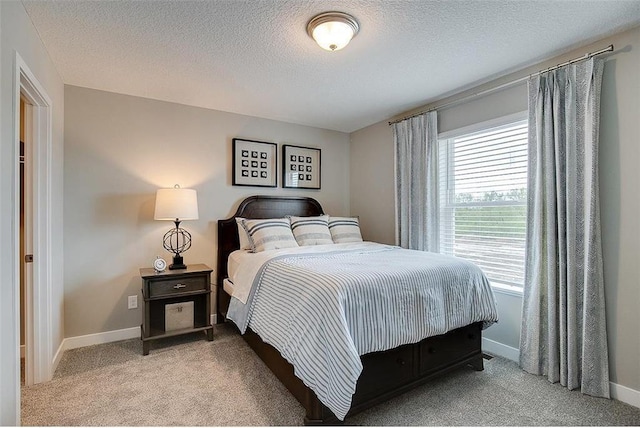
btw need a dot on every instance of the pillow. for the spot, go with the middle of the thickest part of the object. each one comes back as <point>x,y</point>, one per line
<point>245,244</point>
<point>269,234</point>
<point>345,229</point>
<point>311,230</point>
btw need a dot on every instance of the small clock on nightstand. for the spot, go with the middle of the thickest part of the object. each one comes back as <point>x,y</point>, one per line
<point>159,264</point>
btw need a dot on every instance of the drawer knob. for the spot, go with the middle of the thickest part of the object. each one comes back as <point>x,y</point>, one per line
<point>400,361</point>
<point>179,286</point>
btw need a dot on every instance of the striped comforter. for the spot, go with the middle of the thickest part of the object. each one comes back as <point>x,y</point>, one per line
<point>323,310</point>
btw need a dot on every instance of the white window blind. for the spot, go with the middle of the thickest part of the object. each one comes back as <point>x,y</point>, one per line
<point>483,196</point>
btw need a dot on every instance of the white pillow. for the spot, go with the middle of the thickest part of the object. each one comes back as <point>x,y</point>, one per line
<point>245,244</point>
<point>269,234</point>
<point>311,230</point>
<point>345,229</point>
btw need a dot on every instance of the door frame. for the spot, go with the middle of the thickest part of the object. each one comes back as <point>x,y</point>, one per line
<point>27,268</point>
<point>38,331</point>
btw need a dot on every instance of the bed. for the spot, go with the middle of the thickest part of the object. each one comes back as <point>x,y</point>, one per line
<point>385,374</point>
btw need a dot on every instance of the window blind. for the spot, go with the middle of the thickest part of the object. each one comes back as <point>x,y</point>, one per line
<point>483,195</point>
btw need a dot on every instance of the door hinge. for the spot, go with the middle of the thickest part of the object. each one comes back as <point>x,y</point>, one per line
<point>28,258</point>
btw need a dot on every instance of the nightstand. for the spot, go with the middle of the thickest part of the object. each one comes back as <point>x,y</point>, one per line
<point>175,302</point>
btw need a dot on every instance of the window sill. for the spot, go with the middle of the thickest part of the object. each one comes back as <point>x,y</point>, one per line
<point>507,289</point>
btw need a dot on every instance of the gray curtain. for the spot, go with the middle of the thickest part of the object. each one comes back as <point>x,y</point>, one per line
<point>563,322</point>
<point>416,146</point>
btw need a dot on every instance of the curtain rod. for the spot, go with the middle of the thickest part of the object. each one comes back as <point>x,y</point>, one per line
<point>506,85</point>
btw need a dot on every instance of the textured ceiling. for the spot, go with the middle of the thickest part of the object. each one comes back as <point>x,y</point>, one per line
<point>254,57</point>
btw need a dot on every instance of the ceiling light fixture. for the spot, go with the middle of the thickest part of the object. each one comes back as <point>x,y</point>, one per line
<point>333,30</point>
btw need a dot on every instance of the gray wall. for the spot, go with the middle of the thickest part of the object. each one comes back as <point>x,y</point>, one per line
<point>619,181</point>
<point>17,34</point>
<point>118,151</point>
<point>373,182</point>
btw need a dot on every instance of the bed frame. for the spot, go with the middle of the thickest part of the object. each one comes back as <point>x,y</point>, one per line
<point>385,374</point>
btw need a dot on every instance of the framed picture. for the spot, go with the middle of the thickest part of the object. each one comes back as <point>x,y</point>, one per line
<point>300,167</point>
<point>254,163</point>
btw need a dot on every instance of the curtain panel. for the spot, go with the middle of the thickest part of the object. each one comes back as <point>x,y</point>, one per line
<point>416,149</point>
<point>563,332</point>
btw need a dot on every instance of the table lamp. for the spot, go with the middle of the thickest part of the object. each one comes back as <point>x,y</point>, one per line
<point>176,204</point>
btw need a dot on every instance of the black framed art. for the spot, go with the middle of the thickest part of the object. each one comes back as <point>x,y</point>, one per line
<point>300,167</point>
<point>254,163</point>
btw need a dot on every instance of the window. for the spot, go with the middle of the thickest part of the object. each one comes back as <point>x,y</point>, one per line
<point>483,199</point>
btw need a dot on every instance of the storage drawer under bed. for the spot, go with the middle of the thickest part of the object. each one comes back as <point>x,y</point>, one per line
<point>385,370</point>
<point>439,351</point>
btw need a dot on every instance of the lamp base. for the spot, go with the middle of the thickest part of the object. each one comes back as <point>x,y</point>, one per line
<point>178,263</point>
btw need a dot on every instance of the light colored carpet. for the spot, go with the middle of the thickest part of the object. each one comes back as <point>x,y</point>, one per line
<point>189,381</point>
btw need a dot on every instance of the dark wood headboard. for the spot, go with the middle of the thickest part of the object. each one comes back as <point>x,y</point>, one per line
<point>257,207</point>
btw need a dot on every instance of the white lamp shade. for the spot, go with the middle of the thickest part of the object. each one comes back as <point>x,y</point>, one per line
<point>333,30</point>
<point>333,35</point>
<point>176,203</point>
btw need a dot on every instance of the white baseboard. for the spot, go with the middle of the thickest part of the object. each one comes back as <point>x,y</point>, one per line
<point>618,392</point>
<point>500,350</point>
<point>100,338</point>
<point>92,339</point>
<point>624,394</point>
<point>106,337</point>
<point>57,357</point>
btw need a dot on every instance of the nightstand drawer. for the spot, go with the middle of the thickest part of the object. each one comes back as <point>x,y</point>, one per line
<point>182,285</point>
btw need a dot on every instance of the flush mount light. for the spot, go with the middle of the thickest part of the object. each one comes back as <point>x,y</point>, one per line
<point>332,30</point>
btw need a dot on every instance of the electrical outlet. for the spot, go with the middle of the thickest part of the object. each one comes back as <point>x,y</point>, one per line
<point>133,302</point>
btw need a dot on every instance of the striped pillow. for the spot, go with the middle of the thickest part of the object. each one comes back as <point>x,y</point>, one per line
<point>311,230</point>
<point>345,229</point>
<point>269,234</point>
<point>245,244</point>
